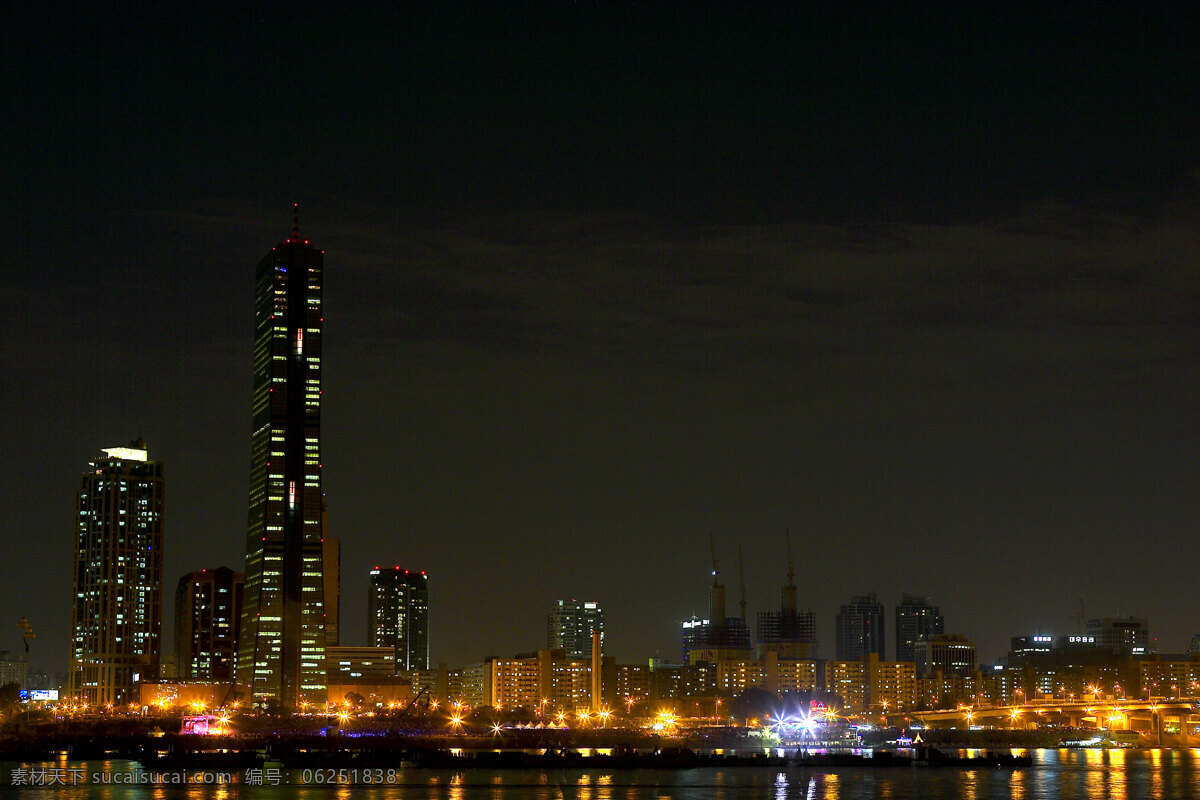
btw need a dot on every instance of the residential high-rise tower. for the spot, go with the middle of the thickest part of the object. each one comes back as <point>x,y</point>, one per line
<point>208,619</point>
<point>859,628</point>
<point>116,613</point>
<point>570,624</point>
<point>916,620</point>
<point>281,655</point>
<point>398,615</point>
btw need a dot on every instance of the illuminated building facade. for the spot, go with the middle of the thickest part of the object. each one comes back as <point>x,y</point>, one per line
<point>543,682</point>
<point>281,655</point>
<point>794,675</point>
<point>208,619</point>
<point>870,682</point>
<point>632,683</point>
<point>398,615</point>
<point>916,619</point>
<point>116,613</point>
<point>570,625</point>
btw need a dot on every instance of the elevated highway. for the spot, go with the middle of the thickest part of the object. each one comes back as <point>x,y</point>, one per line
<point>1149,717</point>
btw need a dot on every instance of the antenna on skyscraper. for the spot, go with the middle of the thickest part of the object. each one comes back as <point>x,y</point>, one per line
<point>296,221</point>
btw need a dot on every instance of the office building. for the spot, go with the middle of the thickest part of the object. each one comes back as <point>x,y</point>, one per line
<point>116,613</point>
<point>281,655</point>
<point>570,625</point>
<point>358,662</point>
<point>1121,635</point>
<point>946,654</point>
<point>859,628</point>
<point>398,615</point>
<point>208,619</point>
<point>916,619</point>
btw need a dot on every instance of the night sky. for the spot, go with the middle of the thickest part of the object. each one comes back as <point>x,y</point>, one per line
<point>919,284</point>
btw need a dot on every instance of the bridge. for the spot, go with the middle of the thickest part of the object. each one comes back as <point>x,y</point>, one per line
<point>1148,717</point>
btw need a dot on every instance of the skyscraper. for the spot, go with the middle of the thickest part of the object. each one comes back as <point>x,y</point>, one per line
<point>208,620</point>
<point>570,624</point>
<point>281,655</point>
<point>860,628</point>
<point>398,615</point>
<point>116,613</point>
<point>916,620</point>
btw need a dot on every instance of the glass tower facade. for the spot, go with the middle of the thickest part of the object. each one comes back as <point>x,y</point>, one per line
<point>116,619</point>
<point>281,655</point>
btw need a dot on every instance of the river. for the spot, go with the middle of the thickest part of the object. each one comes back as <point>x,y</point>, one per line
<point>1065,774</point>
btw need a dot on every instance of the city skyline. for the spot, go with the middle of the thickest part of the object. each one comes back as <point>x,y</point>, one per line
<point>920,287</point>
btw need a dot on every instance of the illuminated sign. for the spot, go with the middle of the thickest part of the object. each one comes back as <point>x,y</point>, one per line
<point>127,453</point>
<point>39,695</point>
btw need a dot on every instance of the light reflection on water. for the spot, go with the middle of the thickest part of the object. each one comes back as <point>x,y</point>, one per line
<point>1066,774</point>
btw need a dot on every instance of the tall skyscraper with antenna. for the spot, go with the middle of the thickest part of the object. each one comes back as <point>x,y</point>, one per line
<point>281,655</point>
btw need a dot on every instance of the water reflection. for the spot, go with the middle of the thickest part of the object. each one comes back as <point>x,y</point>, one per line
<point>458,787</point>
<point>968,785</point>
<point>1066,774</point>
<point>831,787</point>
<point>1156,773</point>
<point>1016,784</point>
